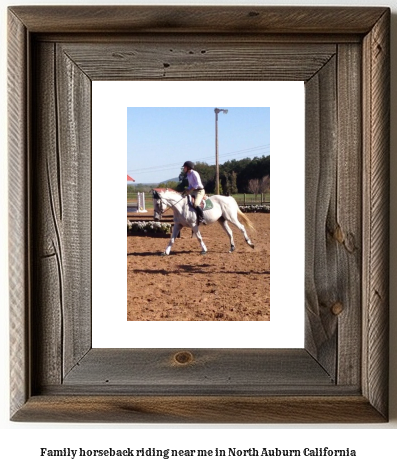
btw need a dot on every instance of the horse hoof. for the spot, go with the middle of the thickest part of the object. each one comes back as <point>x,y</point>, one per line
<point>232,249</point>
<point>204,252</point>
<point>163,254</point>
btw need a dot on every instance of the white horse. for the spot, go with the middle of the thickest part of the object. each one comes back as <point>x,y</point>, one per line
<point>225,209</point>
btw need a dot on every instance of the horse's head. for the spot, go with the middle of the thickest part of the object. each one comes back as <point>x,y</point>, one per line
<point>164,199</point>
<point>159,206</point>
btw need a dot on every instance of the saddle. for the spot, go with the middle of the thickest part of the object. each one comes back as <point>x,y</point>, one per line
<point>205,204</point>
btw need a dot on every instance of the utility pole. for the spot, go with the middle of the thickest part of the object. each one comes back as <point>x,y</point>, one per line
<point>217,111</point>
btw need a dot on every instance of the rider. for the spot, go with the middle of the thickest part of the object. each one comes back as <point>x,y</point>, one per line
<point>195,188</point>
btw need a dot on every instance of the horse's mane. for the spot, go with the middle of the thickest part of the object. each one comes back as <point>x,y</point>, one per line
<point>164,190</point>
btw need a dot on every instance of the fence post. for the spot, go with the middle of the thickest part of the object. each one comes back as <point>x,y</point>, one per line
<point>141,203</point>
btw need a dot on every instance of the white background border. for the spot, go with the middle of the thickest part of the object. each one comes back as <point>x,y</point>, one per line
<point>21,441</point>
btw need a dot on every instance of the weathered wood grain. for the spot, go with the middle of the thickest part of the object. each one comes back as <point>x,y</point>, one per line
<point>48,295</point>
<point>244,37</point>
<point>347,226</point>
<point>74,134</point>
<point>376,106</point>
<point>199,409</point>
<point>198,19</point>
<point>321,277</point>
<point>333,215</point>
<point>204,369</point>
<point>214,59</point>
<point>19,249</point>
<point>62,205</point>
<point>341,376</point>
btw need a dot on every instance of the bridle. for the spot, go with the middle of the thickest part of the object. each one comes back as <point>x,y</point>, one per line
<point>167,204</point>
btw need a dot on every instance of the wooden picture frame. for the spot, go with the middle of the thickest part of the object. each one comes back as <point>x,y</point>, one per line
<point>342,54</point>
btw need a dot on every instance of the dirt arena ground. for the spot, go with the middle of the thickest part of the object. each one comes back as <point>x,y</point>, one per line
<point>187,286</point>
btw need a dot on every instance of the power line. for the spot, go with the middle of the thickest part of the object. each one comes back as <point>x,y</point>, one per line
<point>156,169</point>
<point>207,159</point>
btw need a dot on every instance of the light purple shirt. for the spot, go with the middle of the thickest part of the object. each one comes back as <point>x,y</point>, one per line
<point>194,180</point>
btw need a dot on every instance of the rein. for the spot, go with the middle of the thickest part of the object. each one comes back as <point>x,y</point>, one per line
<point>171,205</point>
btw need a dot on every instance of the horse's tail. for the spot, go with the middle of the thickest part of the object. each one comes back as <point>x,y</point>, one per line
<point>245,218</point>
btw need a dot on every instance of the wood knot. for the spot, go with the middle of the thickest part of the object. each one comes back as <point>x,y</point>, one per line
<point>183,358</point>
<point>337,308</point>
<point>338,235</point>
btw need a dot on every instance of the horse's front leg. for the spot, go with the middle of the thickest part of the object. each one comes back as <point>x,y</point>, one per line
<point>199,237</point>
<point>175,231</point>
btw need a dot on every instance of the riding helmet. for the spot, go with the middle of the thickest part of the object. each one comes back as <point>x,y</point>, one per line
<point>189,164</point>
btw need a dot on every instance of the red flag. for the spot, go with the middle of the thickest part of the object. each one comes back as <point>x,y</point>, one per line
<point>129,179</point>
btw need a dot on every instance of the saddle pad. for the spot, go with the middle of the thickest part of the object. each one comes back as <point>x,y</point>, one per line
<point>205,204</point>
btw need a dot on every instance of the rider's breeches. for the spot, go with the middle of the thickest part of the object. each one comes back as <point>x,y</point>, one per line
<point>199,194</point>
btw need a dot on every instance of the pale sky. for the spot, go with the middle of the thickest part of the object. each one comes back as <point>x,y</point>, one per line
<point>160,140</point>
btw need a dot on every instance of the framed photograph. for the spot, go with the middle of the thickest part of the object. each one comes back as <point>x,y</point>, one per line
<point>340,374</point>
<point>199,282</point>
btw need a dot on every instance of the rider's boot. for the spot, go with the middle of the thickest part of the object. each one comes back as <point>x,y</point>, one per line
<point>200,215</point>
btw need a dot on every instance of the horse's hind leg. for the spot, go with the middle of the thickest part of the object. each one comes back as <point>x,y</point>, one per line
<point>199,237</point>
<point>241,227</point>
<point>226,228</point>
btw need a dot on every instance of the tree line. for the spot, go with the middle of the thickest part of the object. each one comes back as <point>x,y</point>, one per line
<point>236,176</point>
